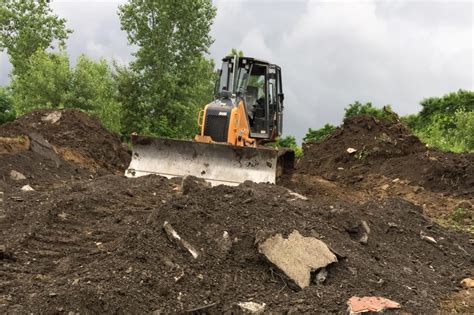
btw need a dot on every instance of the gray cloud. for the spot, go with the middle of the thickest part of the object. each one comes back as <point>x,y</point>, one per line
<point>331,52</point>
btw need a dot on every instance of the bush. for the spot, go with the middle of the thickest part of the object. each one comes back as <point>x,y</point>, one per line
<point>6,110</point>
<point>358,108</point>
<point>319,134</point>
<point>289,142</point>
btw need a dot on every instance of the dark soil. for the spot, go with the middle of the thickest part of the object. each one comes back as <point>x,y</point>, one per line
<point>90,241</point>
<point>76,137</point>
<point>99,247</point>
<point>388,149</point>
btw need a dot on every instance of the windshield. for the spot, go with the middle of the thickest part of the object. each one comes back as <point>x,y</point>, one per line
<point>241,82</point>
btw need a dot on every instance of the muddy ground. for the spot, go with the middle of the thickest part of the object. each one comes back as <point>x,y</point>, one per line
<point>89,240</point>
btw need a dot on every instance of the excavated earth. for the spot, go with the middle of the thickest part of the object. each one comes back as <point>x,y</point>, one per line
<point>89,240</point>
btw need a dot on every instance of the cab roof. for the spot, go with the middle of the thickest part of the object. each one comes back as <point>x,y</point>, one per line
<point>249,59</point>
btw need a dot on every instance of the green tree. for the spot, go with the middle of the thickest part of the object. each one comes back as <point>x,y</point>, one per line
<point>448,104</point>
<point>129,88</point>
<point>319,134</point>
<point>27,26</point>
<point>236,52</point>
<point>93,89</point>
<point>44,84</point>
<point>6,110</point>
<point>50,82</point>
<point>358,108</point>
<point>289,142</point>
<point>446,122</point>
<point>176,78</point>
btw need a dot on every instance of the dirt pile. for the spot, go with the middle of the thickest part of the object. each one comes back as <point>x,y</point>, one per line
<point>75,136</point>
<point>99,246</point>
<point>389,149</point>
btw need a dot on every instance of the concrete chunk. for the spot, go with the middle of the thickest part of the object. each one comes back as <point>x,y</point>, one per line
<point>297,256</point>
<point>17,175</point>
<point>252,307</point>
<point>358,305</point>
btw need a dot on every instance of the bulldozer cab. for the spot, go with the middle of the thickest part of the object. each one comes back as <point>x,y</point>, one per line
<point>259,84</point>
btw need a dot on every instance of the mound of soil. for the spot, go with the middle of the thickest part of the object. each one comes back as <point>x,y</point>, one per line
<point>389,149</point>
<point>99,247</point>
<point>75,136</point>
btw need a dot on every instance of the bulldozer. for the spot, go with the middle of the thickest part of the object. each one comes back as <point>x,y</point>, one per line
<point>235,131</point>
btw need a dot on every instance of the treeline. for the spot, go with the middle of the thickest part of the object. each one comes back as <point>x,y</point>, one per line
<point>160,92</point>
<point>171,77</point>
<point>445,122</point>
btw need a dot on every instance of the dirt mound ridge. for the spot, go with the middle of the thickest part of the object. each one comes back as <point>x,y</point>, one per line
<point>75,136</point>
<point>389,149</point>
<point>99,247</point>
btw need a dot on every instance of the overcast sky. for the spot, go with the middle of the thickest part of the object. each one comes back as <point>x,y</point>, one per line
<point>331,52</point>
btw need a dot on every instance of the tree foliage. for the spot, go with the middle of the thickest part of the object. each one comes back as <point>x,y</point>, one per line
<point>289,142</point>
<point>27,26</point>
<point>50,82</point>
<point>176,80</point>
<point>358,108</point>
<point>236,52</point>
<point>319,134</point>
<point>6,110</point>
<point>446,122</point>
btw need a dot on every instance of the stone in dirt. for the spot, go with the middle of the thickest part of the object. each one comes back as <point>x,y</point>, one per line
<point>297,256</point>
<point>467,283</point>
<point>174,237</point>
<point>366,304</point>
<point>252,307</point>
<point>17,175</point>
<point>27,188</point>
<point>52,117</point>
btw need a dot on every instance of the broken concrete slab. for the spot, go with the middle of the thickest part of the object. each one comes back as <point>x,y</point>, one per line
<point>252,307</point>
<point>17,175</point>
<point>174,237</point>
<point>297,256</point>
<point>358,305</point>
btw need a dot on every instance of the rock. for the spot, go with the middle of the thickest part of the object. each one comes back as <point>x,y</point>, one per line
<point>252,307</point>
<point>225,243</point>
<point>467,283</point>
<point>365,304</point>
<point>427,238</point>
<point>296,195</point>
<point>17,175</point>
<point>321,276</point>
<point>385,187</point>
<point>52,117</point>
<point>27,188</point>
<point>365,235</point>
<point>174,237</point>
<point>297,256</point>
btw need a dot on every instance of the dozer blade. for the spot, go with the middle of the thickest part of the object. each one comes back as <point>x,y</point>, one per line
<point>216,163</point>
